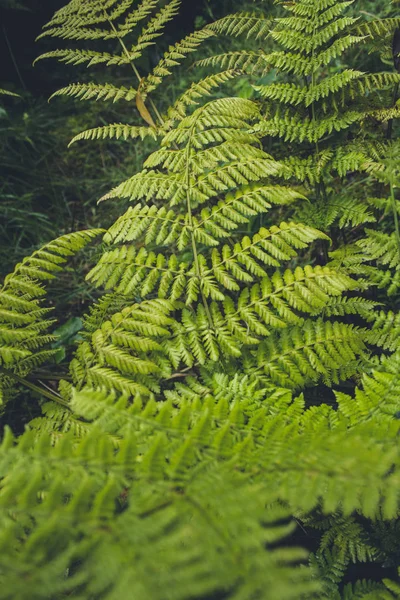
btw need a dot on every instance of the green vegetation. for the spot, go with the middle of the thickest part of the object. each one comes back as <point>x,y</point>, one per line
<point>212,402</point>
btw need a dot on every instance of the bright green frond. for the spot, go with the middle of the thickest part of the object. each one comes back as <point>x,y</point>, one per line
<point>24,323</point>
<point>89,91</point>
<point>255,26</point>
<point>295,128</point>
<point>115,131</point>
<point>292,94</point>
<point>315,350</point>
<point>174,57</point>
<point>8,93</point>
<point>91,57</point>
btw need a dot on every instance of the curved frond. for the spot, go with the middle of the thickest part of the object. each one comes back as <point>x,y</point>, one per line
<point>115,131</point>
<point>255,26</point>
<point>90,91</point>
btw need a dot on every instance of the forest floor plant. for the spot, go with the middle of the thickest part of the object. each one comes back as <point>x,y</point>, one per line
<point>183,456</point>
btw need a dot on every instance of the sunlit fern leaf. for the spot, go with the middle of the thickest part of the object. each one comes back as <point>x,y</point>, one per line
<point>158,225</point>
<point>76,22</point>
<point>24,322</point>
<point>124,353</point>
<point>8,93</point>
<point>378,28</point>
<point>90,91</point>
<point>117,20</point>
<point>385,331</point>
<point>219,221</point>
<point>290,93</point>
<point>173,58</point>
<point>254,25</point>
<point>301,42</point>
<point>304,65</point>
<point>130,271</point>
<point>260,62</point>
<point>199,90</point>
<point>380,246</point>
<point>294,128</point>
<point>273,441</point>
<point>355,305</point>
<point>370,82</point>
<point>347,211</point>
<point>91,57</point>
<point>58,420</point>
<point>377,397</point>
<point>115,131</point>
<point>316,350</point>
<point>392,589</point>
<point>243,61</point>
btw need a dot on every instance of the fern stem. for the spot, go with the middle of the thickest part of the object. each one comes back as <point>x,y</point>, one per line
<point>191,229</point>
<point>125,50</point>
<point>35,388</point>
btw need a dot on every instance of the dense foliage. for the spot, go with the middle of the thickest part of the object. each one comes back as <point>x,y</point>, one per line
<point>223,421</point>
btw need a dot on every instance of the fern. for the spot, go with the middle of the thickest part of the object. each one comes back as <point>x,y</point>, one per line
<point>311,111</point>
<point>185,443</point>
<point>8,93</point>
<point>102,20</point>
<point>24,323</point>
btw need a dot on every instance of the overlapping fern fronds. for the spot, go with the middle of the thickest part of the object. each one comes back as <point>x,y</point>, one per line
<point>178,450</point>
<point>133,488</point>
<point>317,115</point>
<point>134,28</point>
<point>212,178</point>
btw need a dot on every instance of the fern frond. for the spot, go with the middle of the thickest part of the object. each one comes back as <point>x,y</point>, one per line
<point>385,331</point>
<point>378,28</point>
<point>129,271</point>
<point>341,306</point>
<point>58,420</point>
<point>255,26</point>
<point>377,398</point>
<point>308,9</point>
<point>269,247</point>
<point>155,26</point>
<point>347,211</point>
<point>315,350</point>
<point>199,90</point>
<point>78,57</point>
<point>371,82</point>
<point>8,93</point>
<point>115,131</point>
<point>292,94</point>
<point>294,128</point>
<point>116,356</point>
<point>305,43</point>
<point>153,524</point>
<point>298,64</point>
<point>173,58</point>
<point>89,91</point>
<point>378,245</point>
<point>242,60</point>
<point>301,20</point>
<point>77,23</point>
<point>24,324</point>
